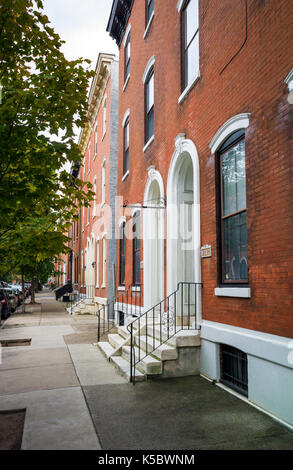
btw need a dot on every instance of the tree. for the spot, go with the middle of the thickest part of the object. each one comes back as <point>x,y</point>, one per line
<point>43,95</point>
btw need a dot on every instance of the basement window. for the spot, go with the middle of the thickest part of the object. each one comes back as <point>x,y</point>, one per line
<point>234,369</point>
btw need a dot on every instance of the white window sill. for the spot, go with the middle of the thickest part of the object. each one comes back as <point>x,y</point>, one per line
<point>149,142</point>
<point>188,89</point>
<point>135,288</point>
<point>97,286</point>
<point>126,82</point>
<point>241,292</point>
<point>103,286</point>
<point>125,176</point>
<point>103,136</point>
<point>121,288</point>
<point>149,24</point>
<point>102,204</point>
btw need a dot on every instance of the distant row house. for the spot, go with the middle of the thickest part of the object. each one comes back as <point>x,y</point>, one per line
<point>193,168</point>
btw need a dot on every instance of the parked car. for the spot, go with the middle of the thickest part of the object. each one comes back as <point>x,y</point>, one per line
<point>13,298</point>
<point>5,304</point>
<point>18,292</point>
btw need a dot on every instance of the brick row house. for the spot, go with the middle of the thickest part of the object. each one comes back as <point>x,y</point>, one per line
<point>93,235</point>
<point>204,170</point>
<point>201,247</point>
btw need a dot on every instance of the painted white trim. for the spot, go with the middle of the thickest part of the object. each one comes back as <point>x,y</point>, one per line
<point>149,142</point>
<point>183,147</point>
<point>153,176</point>
<point>255,343</point>
<point>149,24</point>
<point>125,176</point>
<point>149,65</point>
<point>121,288</point>
<point>241,121</point>
<point>126,34</point>
<point>126,82</point>
<point>121,221</point>
<point>136,209</point>
<point>289,81</point>
<point>135,288</point>
<point>188,88</point>
<point>126,115</point>
<point>244,292</point>
<point>180,5</point>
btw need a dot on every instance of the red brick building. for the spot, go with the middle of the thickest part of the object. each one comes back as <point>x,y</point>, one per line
<point>93,240</point>
<point>205,161</point>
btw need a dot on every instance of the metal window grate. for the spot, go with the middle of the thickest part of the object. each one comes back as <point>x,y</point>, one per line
<point>234,369</point>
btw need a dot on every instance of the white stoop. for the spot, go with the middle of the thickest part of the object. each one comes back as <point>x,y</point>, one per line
<point>84,307</point>
<point>178,356</point>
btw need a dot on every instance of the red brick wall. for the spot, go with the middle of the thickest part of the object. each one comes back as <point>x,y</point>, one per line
<point>253,82</point>
<point>91,171</point>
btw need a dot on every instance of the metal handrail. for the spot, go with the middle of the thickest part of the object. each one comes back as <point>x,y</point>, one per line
<point>172,327</point>
<point>132,301</point>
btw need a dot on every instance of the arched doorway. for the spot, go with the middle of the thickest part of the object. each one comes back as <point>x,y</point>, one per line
<point>183,224</point>
<point>153,238</point>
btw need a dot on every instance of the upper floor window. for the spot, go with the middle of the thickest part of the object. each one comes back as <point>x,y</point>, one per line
<point>190,43</point>
<point>149,106</point>
<point>149,11</point>
<point>95,196</point>
<point>136,249</point>
<point>127,58</point>
<point>234,266</point>
<point>126,147</point>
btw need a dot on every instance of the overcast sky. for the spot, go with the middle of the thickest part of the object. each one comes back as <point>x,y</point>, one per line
<point>82,24</point>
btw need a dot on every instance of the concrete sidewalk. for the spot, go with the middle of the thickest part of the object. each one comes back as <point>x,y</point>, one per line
<point>74,399</point>
<point>46,377</point>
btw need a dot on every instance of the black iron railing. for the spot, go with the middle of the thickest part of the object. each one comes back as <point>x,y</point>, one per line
<point>80,294</point>
<point>127,303</point>
<point>65,289</point>
<point>178,311</point>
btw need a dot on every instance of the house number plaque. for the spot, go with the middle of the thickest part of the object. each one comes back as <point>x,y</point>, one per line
<point>206,251</point>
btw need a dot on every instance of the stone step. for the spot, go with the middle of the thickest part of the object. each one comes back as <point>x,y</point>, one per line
<point>164,352</point>
<point>115,340</point>
<point>148,365</point>
<point>123,367</point>
<point>183,338</point>
<point>106,348</point>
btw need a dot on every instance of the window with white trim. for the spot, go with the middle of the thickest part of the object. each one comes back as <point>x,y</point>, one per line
<point>190,43</point>
<point>89,157</point>
<point>97,263</point>
<point>95,196</point>
<point>127,58</point>
<point>149,105</point>
<point>104,260</point>
<point>104,181</point>
<point>126,147</point>
<point>149,11</point>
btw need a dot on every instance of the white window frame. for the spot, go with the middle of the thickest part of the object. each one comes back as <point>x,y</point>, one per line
<point>103,186</point>
<point>104,248</point>
<point>96,141</point>
<point>104,116</point>
<point>97,262</point>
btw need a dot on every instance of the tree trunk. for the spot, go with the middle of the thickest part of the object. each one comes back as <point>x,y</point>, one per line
<point>23,291</point>
<point>33,292</point>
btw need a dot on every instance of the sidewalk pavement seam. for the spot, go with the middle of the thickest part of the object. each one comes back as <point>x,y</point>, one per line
<point>85,399</point>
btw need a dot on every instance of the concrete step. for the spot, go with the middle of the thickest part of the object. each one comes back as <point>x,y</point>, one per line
<point>164,352</point>
<point>183,338</point>
<point>115,340</point>
<point>148,365</point>
<point>106,348</point>
<point>123,367</point>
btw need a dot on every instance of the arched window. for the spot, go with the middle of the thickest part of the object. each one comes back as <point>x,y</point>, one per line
<point>122,252</point>
<point>232,209</point>
<point>149,105</point>
<point>136,249</point>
